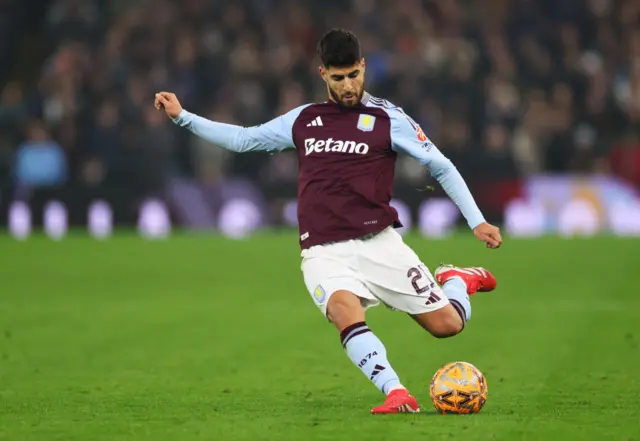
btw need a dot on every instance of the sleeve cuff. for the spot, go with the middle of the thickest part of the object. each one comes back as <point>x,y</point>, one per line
<point>183,118</point>
<point>475,222</point>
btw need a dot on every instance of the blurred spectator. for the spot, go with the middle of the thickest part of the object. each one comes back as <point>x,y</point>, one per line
<point>39,161</point>
<point>13,109</point>
<point>497,154</point>
<point>503,87</point>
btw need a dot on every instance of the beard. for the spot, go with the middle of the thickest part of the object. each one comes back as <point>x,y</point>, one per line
<point>350,103</point>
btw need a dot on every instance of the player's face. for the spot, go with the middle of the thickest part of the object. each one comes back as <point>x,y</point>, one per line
<point>345,84</point>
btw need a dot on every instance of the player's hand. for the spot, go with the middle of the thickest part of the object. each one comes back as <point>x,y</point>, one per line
<point>489,234</point>
<point>168,102</point>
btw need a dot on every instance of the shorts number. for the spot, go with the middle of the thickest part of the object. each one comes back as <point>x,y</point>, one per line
<point>416,274</point>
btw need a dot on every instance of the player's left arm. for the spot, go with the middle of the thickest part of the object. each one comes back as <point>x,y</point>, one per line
<point>407,136</point>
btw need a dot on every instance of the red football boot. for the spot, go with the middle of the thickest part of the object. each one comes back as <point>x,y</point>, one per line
<point>398,401</point>
<point>476,278</point>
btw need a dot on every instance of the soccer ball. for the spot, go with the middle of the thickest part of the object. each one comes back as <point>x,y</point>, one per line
<point>458,387</point>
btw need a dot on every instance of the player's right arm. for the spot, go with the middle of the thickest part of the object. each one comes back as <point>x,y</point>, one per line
<point>273,136</point>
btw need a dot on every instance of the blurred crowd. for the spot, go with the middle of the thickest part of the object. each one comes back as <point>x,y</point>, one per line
<point>504,87</point>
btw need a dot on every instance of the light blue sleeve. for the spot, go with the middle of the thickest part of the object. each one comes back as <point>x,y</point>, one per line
<point>273,136</point>
<point>405,133</point>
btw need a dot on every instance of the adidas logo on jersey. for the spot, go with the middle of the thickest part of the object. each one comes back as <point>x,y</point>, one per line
<point>330,145</point>
<point>317,122</point>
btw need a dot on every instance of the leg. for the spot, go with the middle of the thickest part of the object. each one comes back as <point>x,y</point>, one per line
<point>345,311</point>
<point>395,275</point>
<point>442,323</point>
<point>338,292</point>
<point>450,319</point>
<point>366,351</point>
<point>457,285</point>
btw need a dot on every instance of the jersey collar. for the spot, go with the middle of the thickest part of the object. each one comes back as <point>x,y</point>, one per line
<point>365,98</point>
<point>363,102</point>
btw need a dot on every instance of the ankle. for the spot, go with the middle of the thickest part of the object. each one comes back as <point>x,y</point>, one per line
<point>396,387</point>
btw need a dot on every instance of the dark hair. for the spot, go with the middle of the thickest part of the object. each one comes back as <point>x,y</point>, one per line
<point>339,48</point>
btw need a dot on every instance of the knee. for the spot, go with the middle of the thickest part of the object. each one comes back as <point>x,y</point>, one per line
<point>447,326</point>
<point>344,309</point>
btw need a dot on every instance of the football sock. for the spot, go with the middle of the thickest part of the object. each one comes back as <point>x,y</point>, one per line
<point>368,353</point>
<point>456,291</point>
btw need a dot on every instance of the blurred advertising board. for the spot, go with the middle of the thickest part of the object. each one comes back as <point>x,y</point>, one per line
<point>574,206</point>
<point>541,205</point>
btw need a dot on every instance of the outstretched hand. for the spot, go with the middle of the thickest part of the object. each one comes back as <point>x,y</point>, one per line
<point>489,234</point>
<point>169,102</point>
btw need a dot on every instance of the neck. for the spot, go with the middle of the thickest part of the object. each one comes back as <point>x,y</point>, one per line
<point>363,100</point>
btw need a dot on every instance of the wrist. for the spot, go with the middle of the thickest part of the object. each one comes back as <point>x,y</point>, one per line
<point>181,118</point>
<point>475,223</point>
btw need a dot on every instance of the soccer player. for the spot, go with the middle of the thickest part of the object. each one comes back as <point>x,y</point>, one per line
<point>352,257</point>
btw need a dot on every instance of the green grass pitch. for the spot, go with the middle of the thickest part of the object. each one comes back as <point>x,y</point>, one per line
<point>204,338</point>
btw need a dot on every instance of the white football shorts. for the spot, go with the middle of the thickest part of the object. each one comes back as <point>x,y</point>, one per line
<point>378,269</point>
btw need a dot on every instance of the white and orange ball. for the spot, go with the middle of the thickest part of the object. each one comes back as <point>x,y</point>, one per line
<point>458,388</point>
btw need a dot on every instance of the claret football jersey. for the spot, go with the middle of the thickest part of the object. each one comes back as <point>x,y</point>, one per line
<point>346,163</point>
